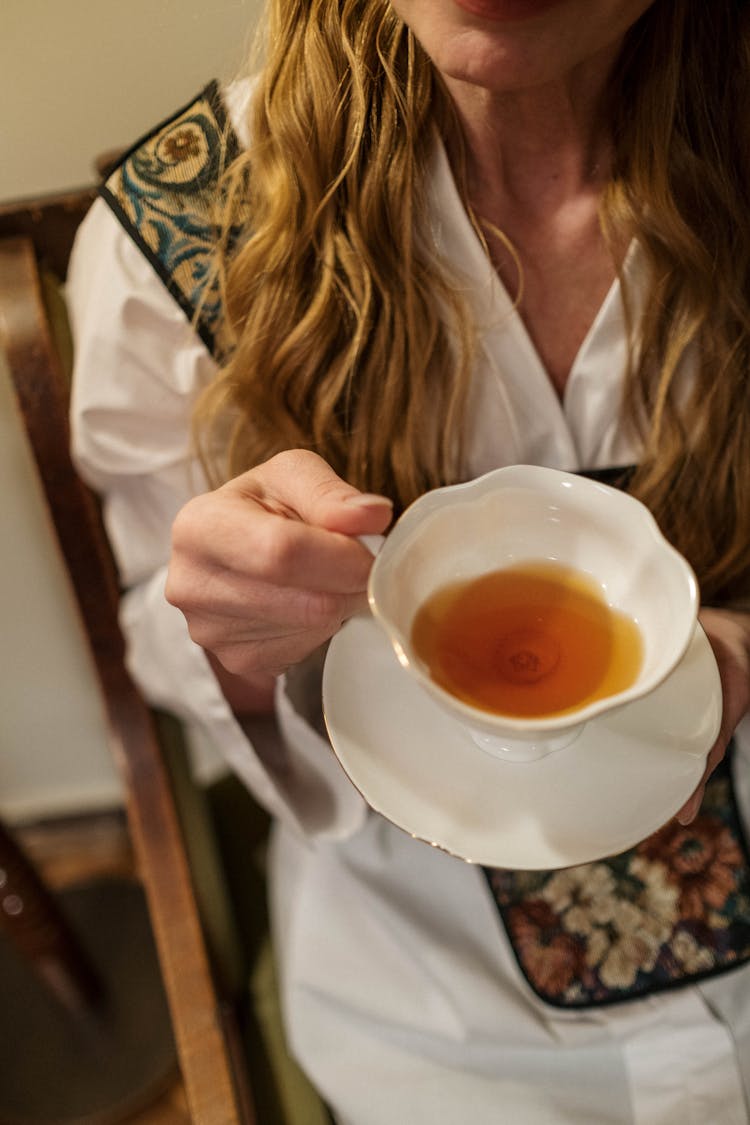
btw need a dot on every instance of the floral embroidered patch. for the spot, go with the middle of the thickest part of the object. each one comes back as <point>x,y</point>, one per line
<point>672,910</point>
<point>165,191</point>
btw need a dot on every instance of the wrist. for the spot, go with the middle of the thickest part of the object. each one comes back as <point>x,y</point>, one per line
<point>246,695</point>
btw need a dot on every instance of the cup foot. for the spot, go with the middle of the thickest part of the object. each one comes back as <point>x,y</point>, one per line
<point>524,750</point>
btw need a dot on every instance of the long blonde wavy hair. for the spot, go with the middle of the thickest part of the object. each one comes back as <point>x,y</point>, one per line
<point>351,338</point>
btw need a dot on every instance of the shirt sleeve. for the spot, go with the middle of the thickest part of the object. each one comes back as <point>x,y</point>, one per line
<point>138,368</point>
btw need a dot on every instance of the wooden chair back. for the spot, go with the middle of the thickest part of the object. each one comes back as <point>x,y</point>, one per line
<point>34,237</point>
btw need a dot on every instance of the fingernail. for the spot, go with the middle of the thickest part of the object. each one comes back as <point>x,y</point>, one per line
<point>367,500</point>
<point>687,818</point>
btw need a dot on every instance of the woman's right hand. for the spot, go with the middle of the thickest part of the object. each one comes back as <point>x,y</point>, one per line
<point>267,567</point>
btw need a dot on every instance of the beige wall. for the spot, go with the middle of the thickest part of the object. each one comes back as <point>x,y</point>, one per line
<point>53,749</point>
<point>77,77</point>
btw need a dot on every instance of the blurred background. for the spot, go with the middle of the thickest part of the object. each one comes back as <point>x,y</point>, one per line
<point>77,79</point>
<point>85,1031</point>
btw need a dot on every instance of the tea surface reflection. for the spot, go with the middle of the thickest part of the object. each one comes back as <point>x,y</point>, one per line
<point>529,641</point>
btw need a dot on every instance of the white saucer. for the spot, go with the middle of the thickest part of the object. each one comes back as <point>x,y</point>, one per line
<point>625,775</point>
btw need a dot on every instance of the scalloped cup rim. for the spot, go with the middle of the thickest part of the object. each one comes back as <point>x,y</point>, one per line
<point>492,722</point>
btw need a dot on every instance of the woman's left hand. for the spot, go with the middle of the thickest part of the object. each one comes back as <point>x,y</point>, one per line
<point>729,634</point>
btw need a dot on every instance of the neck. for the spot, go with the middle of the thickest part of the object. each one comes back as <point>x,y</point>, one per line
<point>536,163</point>
<point>535,147</point>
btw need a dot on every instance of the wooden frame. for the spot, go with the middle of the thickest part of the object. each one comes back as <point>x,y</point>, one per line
<point>214,1074</point>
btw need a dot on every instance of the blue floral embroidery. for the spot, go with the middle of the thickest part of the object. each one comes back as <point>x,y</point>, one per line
<point>165,191</point>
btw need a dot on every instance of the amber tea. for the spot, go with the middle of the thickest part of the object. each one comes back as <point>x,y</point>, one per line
<point>529,641</point>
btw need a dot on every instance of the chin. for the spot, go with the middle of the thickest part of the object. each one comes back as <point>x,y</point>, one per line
<point>494,67</point>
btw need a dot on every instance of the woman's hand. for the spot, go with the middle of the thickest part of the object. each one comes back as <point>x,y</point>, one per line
<point>268,567</point>
<point>729,634</point>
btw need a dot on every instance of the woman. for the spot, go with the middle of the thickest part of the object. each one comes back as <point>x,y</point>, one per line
<point>455,235</point>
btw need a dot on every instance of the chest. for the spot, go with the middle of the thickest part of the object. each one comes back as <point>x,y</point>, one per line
<point>559,274</point>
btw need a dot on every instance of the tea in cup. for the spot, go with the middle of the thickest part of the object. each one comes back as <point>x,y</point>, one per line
<point>531,601</point>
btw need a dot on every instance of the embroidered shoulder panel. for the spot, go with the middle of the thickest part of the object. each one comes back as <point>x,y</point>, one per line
<point>164,192</point>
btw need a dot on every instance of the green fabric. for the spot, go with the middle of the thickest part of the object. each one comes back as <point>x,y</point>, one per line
<point>292,1099</point>
<point>205,859</point>
<point>283,1094</point>
<point>57,317</point>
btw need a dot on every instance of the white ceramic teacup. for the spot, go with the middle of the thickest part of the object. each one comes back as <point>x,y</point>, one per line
<point>524,514</point>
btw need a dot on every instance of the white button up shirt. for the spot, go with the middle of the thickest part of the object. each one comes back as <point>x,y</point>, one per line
<point>402,997</point>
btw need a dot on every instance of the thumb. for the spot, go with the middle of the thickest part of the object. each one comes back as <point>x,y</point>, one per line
<point>305,483</point>
<point>356,513</point>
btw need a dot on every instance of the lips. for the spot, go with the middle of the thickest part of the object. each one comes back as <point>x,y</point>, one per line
<point>502,11</point>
